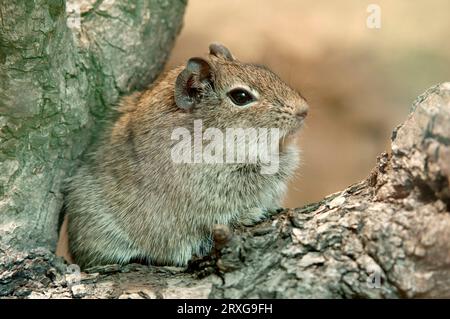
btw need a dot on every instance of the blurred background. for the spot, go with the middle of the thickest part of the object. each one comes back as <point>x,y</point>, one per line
<point>359,82</point>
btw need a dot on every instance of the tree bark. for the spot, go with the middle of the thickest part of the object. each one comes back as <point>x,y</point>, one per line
<point>62,65</point>
<point>385,237</point>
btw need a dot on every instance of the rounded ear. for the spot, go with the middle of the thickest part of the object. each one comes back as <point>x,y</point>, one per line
<point>220,51</point>
<point>191,82</point>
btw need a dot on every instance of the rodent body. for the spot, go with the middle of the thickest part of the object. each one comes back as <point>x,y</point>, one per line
<point>130,200</point>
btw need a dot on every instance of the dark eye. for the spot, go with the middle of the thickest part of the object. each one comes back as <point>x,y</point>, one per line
<point>240,97</point>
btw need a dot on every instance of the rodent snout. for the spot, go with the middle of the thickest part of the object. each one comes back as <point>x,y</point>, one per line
<point>297,109</point>
<point>301,113</point>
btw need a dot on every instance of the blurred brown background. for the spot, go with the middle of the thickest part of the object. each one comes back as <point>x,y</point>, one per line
<point>359,82</point>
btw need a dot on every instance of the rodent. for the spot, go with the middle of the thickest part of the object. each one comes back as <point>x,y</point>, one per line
<point>128,200</point>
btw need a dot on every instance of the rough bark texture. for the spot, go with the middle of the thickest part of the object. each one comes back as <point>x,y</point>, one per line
<point>385,237</point>
<point>59,75</point>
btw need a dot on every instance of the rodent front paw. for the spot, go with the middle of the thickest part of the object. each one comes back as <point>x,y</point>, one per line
<point>256,215</point>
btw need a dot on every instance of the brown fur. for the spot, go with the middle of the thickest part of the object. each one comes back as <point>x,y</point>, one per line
<point>129,200</point>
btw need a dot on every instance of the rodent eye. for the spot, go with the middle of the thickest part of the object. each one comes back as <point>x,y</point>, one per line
<point>240,97</point>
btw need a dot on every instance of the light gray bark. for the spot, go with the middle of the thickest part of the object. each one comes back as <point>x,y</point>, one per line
<point>385,237</point>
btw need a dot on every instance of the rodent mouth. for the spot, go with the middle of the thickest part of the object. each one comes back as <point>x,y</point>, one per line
<point>287,140</point>
<point>294,129</point>
<point>289,136</point>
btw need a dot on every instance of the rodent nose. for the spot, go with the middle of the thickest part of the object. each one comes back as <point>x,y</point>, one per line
<point>301,113</point>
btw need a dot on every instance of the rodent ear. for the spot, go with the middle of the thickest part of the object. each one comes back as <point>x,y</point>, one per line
<point>220,51</point>
<point>192,82</point>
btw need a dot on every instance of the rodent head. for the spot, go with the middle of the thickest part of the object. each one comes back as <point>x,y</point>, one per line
<point>225,92</point>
